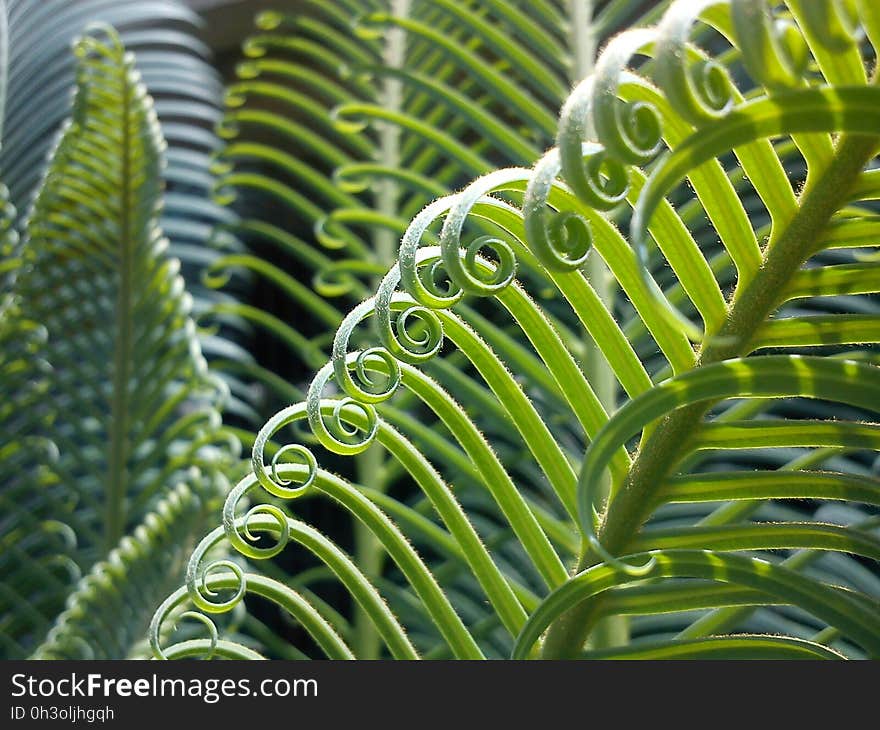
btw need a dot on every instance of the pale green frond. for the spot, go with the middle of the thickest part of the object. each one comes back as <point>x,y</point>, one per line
<point>565,365</point>
<point>130,406</point>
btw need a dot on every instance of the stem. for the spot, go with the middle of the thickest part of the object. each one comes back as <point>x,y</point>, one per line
<point>614,630</point>
<point>119,447</point>
<point>752,303</point>
<point>368,552</point>
<point>369,555</point>
<point>393,56</point>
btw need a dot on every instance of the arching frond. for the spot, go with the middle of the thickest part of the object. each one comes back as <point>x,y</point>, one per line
<point>704,125</point>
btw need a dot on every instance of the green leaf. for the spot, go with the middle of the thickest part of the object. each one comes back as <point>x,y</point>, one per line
<point>130,404</point>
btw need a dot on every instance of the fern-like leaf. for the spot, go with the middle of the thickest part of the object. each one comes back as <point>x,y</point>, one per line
<point>131,407</point>
<point>667,528</point>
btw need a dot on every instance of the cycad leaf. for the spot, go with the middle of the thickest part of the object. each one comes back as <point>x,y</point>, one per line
<point>492,289</point>
<point>131,406</point>
<point>187,93</point>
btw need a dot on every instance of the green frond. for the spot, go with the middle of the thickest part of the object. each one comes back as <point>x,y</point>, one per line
<point>130,407</point>
<point>187,94</point>
<point>138,573</point>
<point>565,365</point>
<point>536,351</point>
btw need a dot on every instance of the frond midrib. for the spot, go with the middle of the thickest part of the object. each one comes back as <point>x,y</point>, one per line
<point>118,448</point>
<point>750,308</point>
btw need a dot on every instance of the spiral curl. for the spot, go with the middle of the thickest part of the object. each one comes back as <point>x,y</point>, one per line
<point>427,291</point>
<point>630,131</point>
<point>240,534</point>
<point>238,530</point>
<point>340,278</point>
<point>697,87</point>
<point>165,610</point>
<point>600,181</point>
<point>562,240</point>
<point>330,233</point>
<point>217,274</point>
<point>201,594</point>
<point>600,136</point>
<point>419,347</point>
<point>773,51</point>
<point>269,478</point>
<point>395,334</point>
<point>348,119</point>
<point>366,388</point>
<point>302,454</point>
<point>459,260</point>
<point>334,431</point>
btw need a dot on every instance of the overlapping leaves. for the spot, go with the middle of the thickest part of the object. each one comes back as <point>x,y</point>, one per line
<point>694,570</point>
